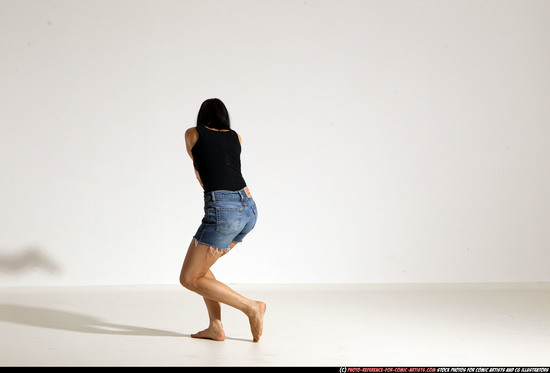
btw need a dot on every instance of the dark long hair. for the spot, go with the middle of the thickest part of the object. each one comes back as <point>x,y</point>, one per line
<point>213,113</point>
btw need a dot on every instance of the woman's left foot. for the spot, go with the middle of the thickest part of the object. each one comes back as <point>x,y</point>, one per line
<point>214,332</point>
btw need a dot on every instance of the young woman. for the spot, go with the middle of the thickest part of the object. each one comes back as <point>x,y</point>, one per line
<point>230,214</point>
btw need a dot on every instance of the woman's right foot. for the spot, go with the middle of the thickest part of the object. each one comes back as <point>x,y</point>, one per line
<point>256,318</point>
<point>214,331</point>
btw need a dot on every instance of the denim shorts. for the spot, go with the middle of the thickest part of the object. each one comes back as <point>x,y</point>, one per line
<point>228,217</point>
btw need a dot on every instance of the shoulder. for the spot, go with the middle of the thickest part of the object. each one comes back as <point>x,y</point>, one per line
<point>238,136</point>
<point>191,136</point>
<point>191,132</point>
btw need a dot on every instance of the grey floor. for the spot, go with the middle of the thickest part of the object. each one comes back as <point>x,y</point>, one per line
<point>305,325</point>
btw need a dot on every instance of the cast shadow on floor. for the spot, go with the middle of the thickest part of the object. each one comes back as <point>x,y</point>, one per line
<point>74,322</point>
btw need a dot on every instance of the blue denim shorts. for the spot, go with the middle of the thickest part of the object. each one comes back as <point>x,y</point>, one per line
<point>228,217</point>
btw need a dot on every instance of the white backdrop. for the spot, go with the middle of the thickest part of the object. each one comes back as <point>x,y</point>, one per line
<point>384,141</point>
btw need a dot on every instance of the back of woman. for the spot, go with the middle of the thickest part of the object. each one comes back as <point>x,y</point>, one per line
<point>217,158</point>
<point>230,213</point>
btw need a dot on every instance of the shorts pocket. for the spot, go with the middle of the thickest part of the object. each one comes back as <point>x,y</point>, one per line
<point>228,220</point>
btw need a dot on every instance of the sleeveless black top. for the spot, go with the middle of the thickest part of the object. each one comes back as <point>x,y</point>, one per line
<point>217,158</point>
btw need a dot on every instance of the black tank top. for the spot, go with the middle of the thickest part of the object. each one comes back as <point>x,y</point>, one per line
<point>217,158</point>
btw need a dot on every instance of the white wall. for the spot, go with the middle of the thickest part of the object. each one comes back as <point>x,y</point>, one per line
<point>384,141</point>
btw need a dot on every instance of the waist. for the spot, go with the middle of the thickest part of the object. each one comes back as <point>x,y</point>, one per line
<point>242,195</point>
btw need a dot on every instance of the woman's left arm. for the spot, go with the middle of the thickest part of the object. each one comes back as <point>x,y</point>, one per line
<point>191,137</point>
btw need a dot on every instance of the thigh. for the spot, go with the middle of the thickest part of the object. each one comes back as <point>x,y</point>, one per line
<point>200,258</point>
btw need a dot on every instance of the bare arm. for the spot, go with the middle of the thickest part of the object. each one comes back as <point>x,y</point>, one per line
<point>191,137</point>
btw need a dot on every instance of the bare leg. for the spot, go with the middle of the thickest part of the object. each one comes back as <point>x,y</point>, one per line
<point>215,328</point>
<point>213,307</point>
<point>195,276</point>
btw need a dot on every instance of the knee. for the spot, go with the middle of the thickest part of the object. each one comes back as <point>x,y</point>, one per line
<point>188,281</point>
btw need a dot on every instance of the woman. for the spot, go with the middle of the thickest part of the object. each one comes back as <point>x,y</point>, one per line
<point>230,214</point>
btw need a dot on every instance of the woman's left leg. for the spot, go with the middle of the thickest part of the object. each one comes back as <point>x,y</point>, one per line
<point>215,328</point>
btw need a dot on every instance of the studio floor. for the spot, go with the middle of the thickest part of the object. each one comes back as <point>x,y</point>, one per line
<point>305,325</point>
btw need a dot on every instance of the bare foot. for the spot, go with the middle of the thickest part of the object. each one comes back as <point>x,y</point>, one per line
<point>214,331</point>
<point>256,318</point>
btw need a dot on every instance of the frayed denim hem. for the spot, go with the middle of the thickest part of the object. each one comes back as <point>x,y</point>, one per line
<point>213,250</point>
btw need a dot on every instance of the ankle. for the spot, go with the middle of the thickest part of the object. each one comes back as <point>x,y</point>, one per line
<point>251,309</point>
<point>216,323</point>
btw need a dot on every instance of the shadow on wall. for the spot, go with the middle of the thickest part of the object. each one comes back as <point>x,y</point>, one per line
<point>30,258</point>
